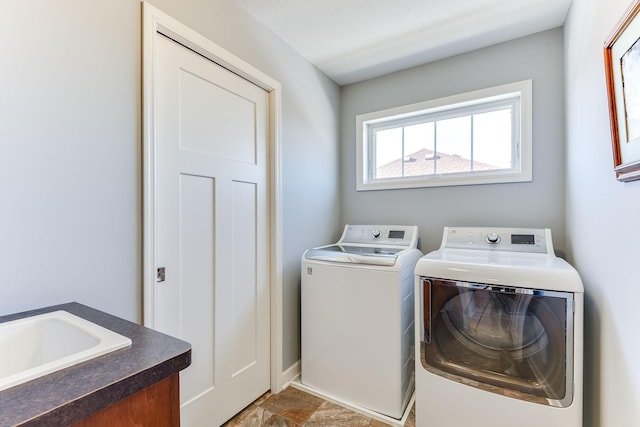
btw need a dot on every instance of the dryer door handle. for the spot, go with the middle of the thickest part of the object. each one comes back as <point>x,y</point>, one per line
<point>426,311</point>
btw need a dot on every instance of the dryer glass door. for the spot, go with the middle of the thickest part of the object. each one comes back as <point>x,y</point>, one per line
<point>513,341</point>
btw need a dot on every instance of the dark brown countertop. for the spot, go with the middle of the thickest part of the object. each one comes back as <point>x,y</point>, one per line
<point>67,396</point>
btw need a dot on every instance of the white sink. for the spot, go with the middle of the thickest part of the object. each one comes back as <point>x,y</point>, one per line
<point>38,345</point>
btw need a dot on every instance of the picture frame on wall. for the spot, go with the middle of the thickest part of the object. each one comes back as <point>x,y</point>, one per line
<point>622,69</point>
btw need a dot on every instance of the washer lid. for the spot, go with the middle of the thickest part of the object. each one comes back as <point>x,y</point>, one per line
<point>355,254</point>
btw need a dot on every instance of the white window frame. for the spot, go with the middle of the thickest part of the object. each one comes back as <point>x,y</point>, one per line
<point>519,94</point>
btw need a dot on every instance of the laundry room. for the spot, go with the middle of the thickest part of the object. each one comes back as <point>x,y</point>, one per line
<point>78,198</point>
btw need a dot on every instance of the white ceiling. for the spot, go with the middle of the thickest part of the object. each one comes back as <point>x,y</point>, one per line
<point>353,40</point>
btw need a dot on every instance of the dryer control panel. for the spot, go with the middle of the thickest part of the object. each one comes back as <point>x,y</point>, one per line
<point>529,240</point>
<point>381,235</point>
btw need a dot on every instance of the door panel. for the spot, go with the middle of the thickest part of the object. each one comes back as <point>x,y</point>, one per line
<point>216,121</point>
<point>211,216</point>
<point>197,282</point>
<point>244,292</point>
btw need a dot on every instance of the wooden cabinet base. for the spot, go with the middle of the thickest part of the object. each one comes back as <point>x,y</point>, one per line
<point>157,405</point>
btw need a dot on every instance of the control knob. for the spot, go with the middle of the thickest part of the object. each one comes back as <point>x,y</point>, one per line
<point>492,238</point>
<point>375,233</point>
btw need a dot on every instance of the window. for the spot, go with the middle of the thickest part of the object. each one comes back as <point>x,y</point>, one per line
<point>479,137</point>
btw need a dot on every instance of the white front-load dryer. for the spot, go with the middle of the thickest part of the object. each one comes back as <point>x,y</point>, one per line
<point>357,318</point>
<point>499,325</point>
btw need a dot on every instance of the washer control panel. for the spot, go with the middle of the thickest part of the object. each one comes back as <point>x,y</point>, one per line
<point>381,235</point>
<point>530,240</point>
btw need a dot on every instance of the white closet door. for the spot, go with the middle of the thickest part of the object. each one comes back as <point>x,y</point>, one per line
<point>212,236</point>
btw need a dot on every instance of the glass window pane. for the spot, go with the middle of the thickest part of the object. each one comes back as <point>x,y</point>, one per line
<point>419,149</point>
<point>492,140</point>
<point>388,153</point>
<point>433,143</point>
<point>453,145</point>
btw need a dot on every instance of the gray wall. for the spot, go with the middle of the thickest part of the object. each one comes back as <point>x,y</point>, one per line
<point>603,224</point>
<point>534,204</point>
<point>70,157</point>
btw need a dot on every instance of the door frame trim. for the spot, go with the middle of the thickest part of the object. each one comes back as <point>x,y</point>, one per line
<point>154,22</point>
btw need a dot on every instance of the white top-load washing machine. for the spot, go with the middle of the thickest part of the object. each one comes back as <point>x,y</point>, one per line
<point>357,318</point>
<point>499,324</point>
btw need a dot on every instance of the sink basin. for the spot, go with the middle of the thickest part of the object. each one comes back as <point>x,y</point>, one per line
<point>38,345</point>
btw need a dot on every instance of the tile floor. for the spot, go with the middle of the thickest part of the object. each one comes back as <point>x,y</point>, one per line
<point>296,408</point>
